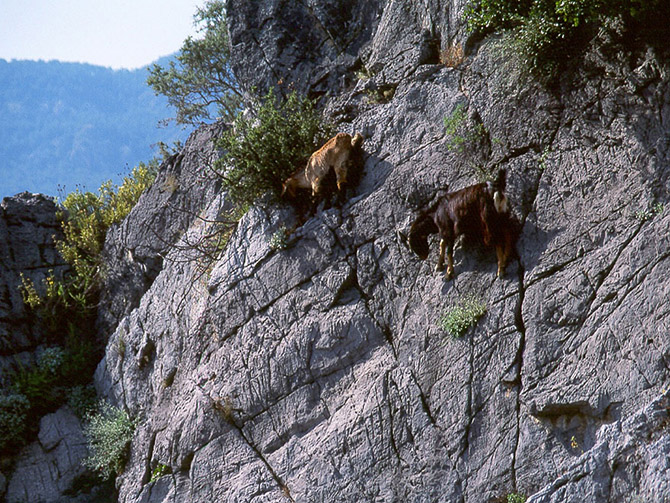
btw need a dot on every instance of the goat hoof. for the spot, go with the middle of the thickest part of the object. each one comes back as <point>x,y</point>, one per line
<point>439,267</point>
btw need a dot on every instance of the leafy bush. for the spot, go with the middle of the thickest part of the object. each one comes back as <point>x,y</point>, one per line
<point>13,420</point>
<point>266,147</point>
<point>108,433</point>
<point>89,216</point>
<point>462,135</point>
<point>159,471</point>
<point>66,305</point>
<point>51,360</point>
<point>457,320</point>
<point>279,240</point>
<point>516,498</point>
<point>86,219</point>
<point>545,33</point>
<point>46,383</point>
<point>82,400</point>
<point>649,212</point>
<point>39,383</point>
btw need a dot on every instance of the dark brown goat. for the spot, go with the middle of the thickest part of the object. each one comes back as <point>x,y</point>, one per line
<point>479,211</point>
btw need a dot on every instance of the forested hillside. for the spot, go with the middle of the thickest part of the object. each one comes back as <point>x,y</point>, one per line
<point>69,124</point>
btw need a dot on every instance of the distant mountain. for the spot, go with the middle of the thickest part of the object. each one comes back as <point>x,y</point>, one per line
<point>70,124</point>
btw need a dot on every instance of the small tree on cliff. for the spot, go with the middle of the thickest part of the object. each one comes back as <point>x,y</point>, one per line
<point>200,79</point>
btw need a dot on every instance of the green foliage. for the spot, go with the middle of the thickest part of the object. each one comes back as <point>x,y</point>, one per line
<point>453,124</point>
<point>159,471</point>
<point>108,433</point>
<point>516,498</point>
<point>66,305</point>
<point>82,400</point>
<point>14,409</point>
<point>279,240</point>
<point>650,212</point>
<point>545,33</point>
<point>87,217</point>
<point>543,158</point>
<point>81,354</point>
<point>265,148</point>
<point>45,384</point>
<point>457,320</point>
<point>462,135</point>
<point>51,360</point>
<point>201,78</point>
<point>39,383</point>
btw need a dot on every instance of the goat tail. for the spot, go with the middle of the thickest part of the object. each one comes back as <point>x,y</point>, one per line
<point>422,227</point>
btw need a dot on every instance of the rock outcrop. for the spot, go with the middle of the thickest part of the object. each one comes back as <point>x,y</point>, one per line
<point>318,372</point>
<point>28,225</point>
<point>134,250</point>
<point>624,453</point>
<point>51,468</point>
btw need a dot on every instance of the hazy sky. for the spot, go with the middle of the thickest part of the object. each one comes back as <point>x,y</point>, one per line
<point>116,33</point>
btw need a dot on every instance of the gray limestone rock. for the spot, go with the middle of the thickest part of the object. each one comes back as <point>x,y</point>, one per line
<point>28,225</point>
<point>627,462</point>
<point>50,468</point>
<point>134,249</point>
<point>318,372</point>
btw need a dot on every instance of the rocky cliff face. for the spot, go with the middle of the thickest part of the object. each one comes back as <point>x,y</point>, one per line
<point>319,373</point>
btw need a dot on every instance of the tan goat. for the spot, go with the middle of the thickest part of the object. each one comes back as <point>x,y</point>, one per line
<point>335,155</point>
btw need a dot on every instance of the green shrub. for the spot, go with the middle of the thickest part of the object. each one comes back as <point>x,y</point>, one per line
<point>108,433</point>
<point>86,219</point>
<point>40,383</point>
<point>266,147</point>
<point>82,354</point>
<point>545,33</point>
<point>53,379</point>
<point>66,304</point>
<point>279,240</point>
<point>458,319</point>
<point>82,400</point>
<point>51,360</point>
<point>199,77</point>
<point>13,421</point>
<point>460,132</point>
<point>159,471</point>
<point>90,215</point>
<point>516,498</point>
<point>649,212</point>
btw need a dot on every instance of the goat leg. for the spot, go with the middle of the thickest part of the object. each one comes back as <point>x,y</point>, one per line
<point>440,261</point>
<point>450,261</point>
<point>501,251</point>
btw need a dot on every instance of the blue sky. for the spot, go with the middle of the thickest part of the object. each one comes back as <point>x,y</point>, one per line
<point>114,33</point>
